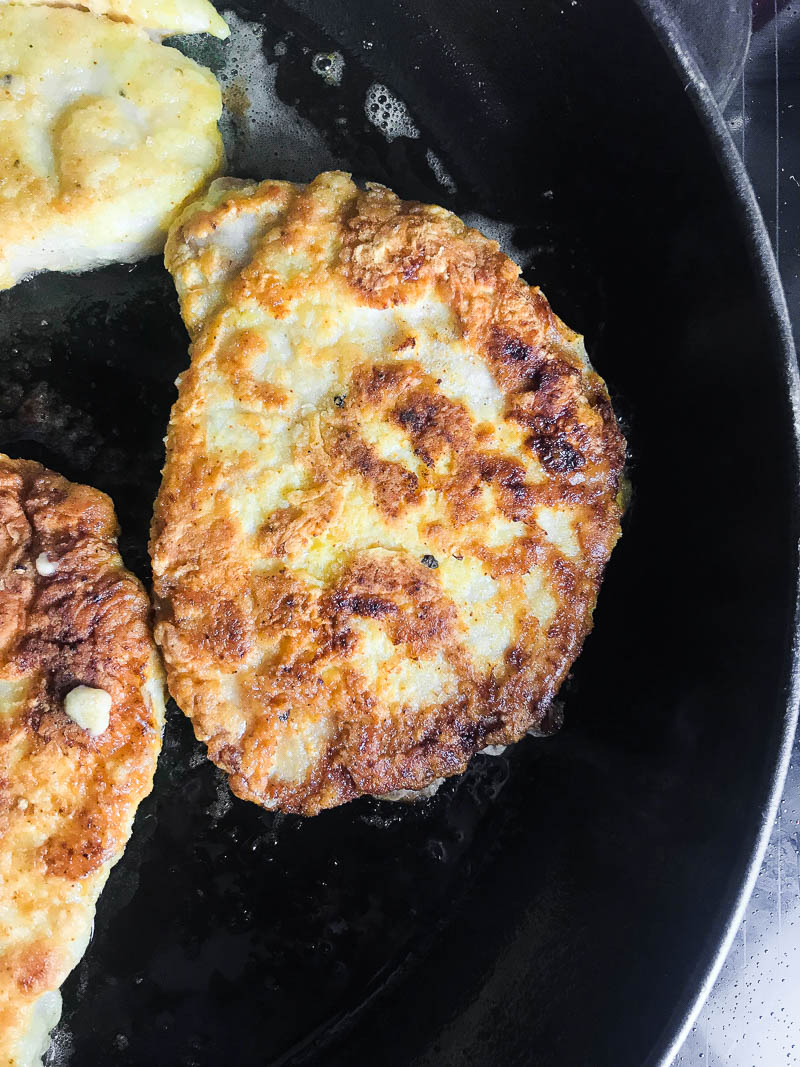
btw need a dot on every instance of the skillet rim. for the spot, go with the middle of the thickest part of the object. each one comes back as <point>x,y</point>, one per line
<point>762,256</point>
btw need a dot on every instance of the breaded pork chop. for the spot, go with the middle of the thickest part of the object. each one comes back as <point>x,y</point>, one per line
<point>81,715</point>
<point>159,17</point>
<point>103,136</point>
<point>390,492</point>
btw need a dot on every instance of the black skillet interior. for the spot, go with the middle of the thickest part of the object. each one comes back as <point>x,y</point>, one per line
<point>557,905</point>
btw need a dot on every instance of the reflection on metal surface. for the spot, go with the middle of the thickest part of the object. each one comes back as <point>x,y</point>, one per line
<point>752,1017</point>
<point>717,44</point>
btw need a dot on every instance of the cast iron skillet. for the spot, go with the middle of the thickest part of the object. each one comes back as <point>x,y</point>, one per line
<point>567,903</point>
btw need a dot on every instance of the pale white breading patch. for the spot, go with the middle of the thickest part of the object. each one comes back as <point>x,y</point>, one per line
<point>89,708</point>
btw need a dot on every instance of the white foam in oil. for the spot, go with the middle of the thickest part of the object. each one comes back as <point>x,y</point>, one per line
<point>441,174</point>
<point>62,1046</point>
<point>264,137</point>
<point>388,113</point>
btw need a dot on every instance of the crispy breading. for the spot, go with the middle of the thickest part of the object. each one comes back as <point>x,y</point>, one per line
<point>103,136</point>
<point>390,492</point>
<point>70,615</point>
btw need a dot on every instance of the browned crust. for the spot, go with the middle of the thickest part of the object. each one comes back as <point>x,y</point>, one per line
<point>66,798</point>
<point>214,614</point>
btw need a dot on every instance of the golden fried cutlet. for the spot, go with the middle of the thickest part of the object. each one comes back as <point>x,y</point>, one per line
<point>103,136</point>
<point>390,491</point>
<point>81,716</point>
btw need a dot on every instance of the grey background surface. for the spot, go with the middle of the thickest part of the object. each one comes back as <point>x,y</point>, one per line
<point>752,1017</point>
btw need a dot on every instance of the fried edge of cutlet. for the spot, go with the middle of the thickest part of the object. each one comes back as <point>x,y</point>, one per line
<point>390,252</point>
<point>67,798</point>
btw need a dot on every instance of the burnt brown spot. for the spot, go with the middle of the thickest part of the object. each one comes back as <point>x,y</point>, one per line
<point>434,424</point>
<point>514,361</point>
<point>369,607</point>
<point>32,967</point>
<point>229,637</point>
<point>412,266</point>
<point>230,757</point>
<point>373,383</point>
<point>281,602</point>
<point>516,657</point>
<point>570,430</point>
<point>516,498</point>
<point>415,420</point>
<point>401,593</point>
<point>556,454</point>
<point>342,641</point>
<point>507,346</point>
<point>75,856</point>
<point>393,486</point>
